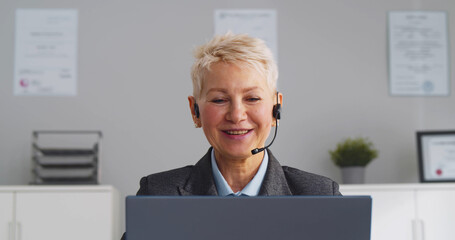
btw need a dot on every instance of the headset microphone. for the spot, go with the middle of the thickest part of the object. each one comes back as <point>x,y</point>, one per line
<point>277,115</point>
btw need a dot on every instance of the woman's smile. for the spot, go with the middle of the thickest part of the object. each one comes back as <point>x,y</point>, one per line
<point>237,134</point>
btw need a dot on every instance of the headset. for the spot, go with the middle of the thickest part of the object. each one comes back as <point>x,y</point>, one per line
<point>276,113</point>
<point>196,110</point>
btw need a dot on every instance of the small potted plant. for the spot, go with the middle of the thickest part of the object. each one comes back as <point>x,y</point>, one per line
<point>352,155</point>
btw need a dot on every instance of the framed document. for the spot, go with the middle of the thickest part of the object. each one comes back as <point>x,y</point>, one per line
<point>46,52</point>
<point>436,152</point>
<point>418,53</point>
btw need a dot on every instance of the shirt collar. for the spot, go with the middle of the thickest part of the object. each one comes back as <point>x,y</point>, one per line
<point>251,189</point>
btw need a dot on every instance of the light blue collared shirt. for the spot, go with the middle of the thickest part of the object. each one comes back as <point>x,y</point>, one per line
<point>251,189</point>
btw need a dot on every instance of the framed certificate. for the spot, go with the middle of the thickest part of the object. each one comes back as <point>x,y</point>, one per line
<point>419,53</point>
<point>436,152</point>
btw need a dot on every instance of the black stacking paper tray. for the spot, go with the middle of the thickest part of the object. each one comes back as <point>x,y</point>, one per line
<point>65,165</point>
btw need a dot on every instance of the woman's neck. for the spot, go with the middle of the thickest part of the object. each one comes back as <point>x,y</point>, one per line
<point>238,172</point>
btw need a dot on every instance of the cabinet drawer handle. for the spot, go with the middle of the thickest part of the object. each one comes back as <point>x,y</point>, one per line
<point>418,230</point>
<point>18,231</point>
<point>11,231</point>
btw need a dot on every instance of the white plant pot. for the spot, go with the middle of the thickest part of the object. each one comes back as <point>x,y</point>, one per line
<point>353,175</point>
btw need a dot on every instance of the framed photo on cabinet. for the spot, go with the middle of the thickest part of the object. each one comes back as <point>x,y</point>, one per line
<point>436,153</point>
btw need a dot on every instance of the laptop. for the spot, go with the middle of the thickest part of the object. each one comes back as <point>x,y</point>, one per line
<point>252,218</point>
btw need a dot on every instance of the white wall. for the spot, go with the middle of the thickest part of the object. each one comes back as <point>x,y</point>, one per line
<point>134,63</point>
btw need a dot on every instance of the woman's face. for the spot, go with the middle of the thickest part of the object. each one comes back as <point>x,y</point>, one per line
<point>235,109</point>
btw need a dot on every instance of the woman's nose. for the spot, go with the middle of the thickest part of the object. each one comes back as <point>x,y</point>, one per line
<point>237,113</point>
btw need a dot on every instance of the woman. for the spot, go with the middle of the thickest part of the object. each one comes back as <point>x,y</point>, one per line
<point>235,102</point>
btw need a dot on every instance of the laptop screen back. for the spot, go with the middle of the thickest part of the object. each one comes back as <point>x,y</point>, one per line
<point>252,218</point>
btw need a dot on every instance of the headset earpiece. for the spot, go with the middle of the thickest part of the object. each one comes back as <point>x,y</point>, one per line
<point>277,111</point>
<point>196,110</point>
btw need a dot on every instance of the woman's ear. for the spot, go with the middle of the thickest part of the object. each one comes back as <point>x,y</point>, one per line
<point>280,99</point>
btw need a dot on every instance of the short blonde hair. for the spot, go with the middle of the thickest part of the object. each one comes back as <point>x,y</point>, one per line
<point>239,49</point>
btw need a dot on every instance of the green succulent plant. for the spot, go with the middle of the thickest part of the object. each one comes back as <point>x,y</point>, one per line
<point>353,152</point>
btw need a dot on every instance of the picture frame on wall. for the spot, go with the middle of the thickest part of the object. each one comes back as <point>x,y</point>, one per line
<point>436,155</point>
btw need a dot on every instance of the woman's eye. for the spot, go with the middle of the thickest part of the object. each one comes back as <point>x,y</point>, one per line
<point>253,99</point>
<point>218,101</point>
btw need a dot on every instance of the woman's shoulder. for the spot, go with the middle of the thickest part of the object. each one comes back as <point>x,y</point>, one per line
<point>165,183</point>
<point>171,182</point>
<point>306,183</point>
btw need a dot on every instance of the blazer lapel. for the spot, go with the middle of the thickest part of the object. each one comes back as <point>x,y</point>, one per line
<point>201,180</point>
<point>274,183</point>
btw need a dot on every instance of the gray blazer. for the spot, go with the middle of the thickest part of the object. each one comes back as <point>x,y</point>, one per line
<point>198,180</point>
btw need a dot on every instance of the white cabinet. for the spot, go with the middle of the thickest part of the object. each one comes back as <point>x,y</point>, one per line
<point>6,215</point>
<point>55,213</point>
<point>409,211</point>
<point>390,212</point>
<point>436,210</point>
